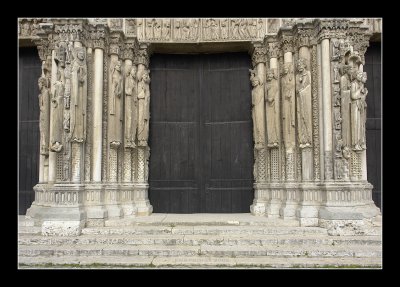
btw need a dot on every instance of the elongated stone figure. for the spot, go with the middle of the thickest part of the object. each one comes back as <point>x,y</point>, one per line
<point>257,98</point>
<point>272,109</point>
<point>143,107</point>
<point>78,95</point>
<point>303,92</point>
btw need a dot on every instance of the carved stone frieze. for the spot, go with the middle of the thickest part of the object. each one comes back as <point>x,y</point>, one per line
<point>115,24</point>
<point>196,29</point>
<point>130,27</point>
<point>29,27</point>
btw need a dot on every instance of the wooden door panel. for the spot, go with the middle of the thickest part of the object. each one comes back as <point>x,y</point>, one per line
<point>200,137</point>
<point>29,72</point>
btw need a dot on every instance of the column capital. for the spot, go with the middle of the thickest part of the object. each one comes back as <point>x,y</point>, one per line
<point>115,43</point>
<point>97,36</point>
<point>128,51</point>
<point>273,50</point>
<point>286,39</point>
<point>331,28</point>
<point>304,32</point>
<point>259,53</point>
<point>143,54</point>
<point>358,36</point>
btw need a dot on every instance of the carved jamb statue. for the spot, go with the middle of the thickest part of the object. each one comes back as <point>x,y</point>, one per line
<point>143,107</point>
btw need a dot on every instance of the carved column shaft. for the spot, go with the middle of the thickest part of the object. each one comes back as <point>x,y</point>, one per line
<point>53,115</point>
<point>97,110</point>
<point>327,108</point>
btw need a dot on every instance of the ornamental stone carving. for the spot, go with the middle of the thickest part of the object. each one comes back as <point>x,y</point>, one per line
<point>130,27</point>
<point>287,43</point>
<point>78,95</point>
<point>358,107</point>
<point>57,113</point>
<point>259,55</point>
<point>143,95</point>
<point>303,93</point>
<point>44,118</point>
<point>345,84</point>
<point>273,50</point>
<point>288,106</point>
<point>131,106</point>
<point>257,96</point>
<point>272,108</point>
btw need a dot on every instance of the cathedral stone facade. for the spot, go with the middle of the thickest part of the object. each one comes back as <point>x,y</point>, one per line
<point>308,111</point>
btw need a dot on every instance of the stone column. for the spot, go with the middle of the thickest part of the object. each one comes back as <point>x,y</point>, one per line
<point>289,194</point>
<point>115,116</point>
<point>141,200</point>
<point>97,107</point>
<point>327,108</point>
<point>94,201</point>
<point>54,124</point>
<point>257,78</point>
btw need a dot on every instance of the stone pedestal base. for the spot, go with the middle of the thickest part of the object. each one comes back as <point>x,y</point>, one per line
<point>273,208</point>
<point>307,215</point>
<point>96,213</point>
<point>288,211</point>
<point>112,201</point>
<point>260,201</point>
<point>142,203</point>
<point>258,208</point>
<point>127,203</point>
<point>58,209</point>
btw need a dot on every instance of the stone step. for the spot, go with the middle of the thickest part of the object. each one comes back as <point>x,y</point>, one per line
<point>196,262</point>
<point>23,221</point>
<point>169,220</point>
<point>207,250</point>
<point>193,240</point>
<point>29,229</point>
<point>204,229</point>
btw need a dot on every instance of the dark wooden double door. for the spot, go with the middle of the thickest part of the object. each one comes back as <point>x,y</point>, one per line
<point>201,134</point>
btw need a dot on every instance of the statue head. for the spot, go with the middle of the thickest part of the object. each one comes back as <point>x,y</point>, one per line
<point>42,83</point>
<point>133,71</point>
<point>146,76</point>
<point>270,75</point>
<point>286,68</point>
<point>255,81</point>
<point>301,64</point>
<point>81,54</point>
<point>359,76</point>
<point>364,77</point>
<point>118,66</point>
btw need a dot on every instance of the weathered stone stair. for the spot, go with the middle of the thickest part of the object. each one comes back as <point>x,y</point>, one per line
<point>245,243</point>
